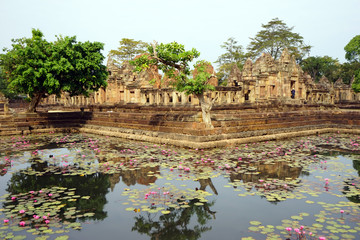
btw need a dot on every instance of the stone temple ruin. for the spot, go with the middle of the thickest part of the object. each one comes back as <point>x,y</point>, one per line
<point>262,81</point>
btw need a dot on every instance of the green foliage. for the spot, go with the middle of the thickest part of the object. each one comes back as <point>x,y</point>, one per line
<point>39,68</point>
<point>356,83</point>
<point>173,60</point>
<point>234,55</point>
<point>353,55</point>
<point>198,84</point>
<point>128,50</point>
<point>274,38</point>
<point>352,49</point>
<point>4,85</point>
<point>348,70</point>
<point>318,67</point>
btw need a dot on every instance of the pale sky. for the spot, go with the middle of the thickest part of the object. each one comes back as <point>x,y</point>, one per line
<point>327,25</point>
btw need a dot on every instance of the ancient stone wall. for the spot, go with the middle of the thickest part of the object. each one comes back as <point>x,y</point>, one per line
<point>264,80</point>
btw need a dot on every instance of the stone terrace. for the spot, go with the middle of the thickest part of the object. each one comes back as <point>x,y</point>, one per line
<point>184,127</point>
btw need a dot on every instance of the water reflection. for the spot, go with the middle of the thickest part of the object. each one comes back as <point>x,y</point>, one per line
<point>176,225</point>
<point>93,168</point>
<point>351,186</point>
<point>261,170</point>
<point>95,185</point>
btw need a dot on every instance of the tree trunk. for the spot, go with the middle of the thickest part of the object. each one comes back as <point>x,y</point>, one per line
<point>35,100</point>
<point>206,105</point>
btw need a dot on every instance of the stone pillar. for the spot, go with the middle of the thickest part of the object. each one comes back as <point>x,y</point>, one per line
<point>166,98</point>
<point>151,98</point>
<point>228,97</point>
<point>143,98</point>
<point>6,107</point>
<point>175,98</point>
<point>137,96</point>
<point>126,95</point>
<point>184,99</point>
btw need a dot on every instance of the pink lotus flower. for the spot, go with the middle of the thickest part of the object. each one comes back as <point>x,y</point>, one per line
<point>47,221</point>
<point>341,211</point>
<point>6,220</point>
<point>50,194</point>
<point>22,211</point>
<point>22,223</point>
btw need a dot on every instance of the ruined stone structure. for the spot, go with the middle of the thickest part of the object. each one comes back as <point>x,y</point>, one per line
<point>269,79</point>
<point>261,81</point>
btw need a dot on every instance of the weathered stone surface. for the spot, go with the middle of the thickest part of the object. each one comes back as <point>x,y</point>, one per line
<point>260,81</point>
<point>183,129</point>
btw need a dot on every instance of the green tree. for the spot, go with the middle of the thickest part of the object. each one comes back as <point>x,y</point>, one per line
<point>318,67</point>
<point>352,50</point>
<point>3,83</point>
<point>40,68</point>
<point>234,55</point>
<point>173,61</point>
<point>274,38</point>
<point>128,50</point>
<point>177,224</point>
<point>348,70</point>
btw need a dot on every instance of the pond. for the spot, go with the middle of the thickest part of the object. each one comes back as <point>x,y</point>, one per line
<point>75,186</point>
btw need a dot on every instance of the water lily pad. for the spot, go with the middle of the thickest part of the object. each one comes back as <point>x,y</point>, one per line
<point>256,223</point>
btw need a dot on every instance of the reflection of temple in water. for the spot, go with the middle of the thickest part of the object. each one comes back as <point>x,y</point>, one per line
<point>276,170</point>
<point>133,175</point>
<point>207,182</point>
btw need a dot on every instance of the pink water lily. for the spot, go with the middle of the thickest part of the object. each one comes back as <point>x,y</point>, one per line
<point>22,223</point>
<point>6,220</point>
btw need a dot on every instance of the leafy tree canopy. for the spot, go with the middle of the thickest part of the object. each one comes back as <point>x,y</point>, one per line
<point>234,55</point>
<point>352,49</point>
<point>3,84</point>
<point>348,70</point>
<point>39,68</point>
<point>128,50</point>
<point>318,67</point>
<point>274,38</point>
<point>173,60</point>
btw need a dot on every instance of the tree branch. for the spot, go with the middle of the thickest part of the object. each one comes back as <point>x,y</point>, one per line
<point>177,66</point>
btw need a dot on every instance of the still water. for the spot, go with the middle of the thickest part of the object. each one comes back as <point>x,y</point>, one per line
<point>76,186</point>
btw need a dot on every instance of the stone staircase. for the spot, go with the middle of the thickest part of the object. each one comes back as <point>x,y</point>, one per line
<point>7,126</point>
<point>226,123</point>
